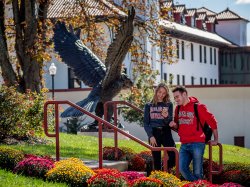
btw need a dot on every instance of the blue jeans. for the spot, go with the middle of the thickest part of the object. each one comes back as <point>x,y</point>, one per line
<point>189,152</point>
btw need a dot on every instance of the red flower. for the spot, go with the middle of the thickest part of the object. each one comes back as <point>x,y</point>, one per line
<point>145,181</point>
<point>200,183</point>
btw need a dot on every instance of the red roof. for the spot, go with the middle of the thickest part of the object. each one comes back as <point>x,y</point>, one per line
<point>207,11</point>
<point>229,15</point>
<point>212,19</point>
<point>72,8</point>
<point>180,8</point>
<point>201,16</point>
<point>191,12</point>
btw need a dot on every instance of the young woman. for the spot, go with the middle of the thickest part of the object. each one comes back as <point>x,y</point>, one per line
<point>157,116</point>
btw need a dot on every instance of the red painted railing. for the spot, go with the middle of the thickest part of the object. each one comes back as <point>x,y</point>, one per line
<point>100,123</point>
<point>211,171</point>
<point>116,130</point>
<point>114,105</point>
<point>164,149</point>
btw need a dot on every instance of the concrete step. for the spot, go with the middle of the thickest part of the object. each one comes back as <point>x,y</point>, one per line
<point>119,165</point>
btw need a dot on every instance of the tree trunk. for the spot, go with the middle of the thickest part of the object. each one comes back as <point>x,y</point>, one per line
<point>26,37</point>
<point>8,73</point>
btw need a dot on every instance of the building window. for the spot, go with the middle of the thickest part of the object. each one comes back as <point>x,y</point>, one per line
<point>177,49</point>
<point>192,52</point>
<point>205,54</point>
<point>211,55</point>
<point>231,60</point>
<point>248,63</point>
<point>170,44</point>
<point>211,81</point>
<point>242,63</point>
<point>183,80</point>
<point>234,61</point>
<point>201,81</point>
<point>73,82</point>
<point>192,80</point>
<point>171,78</point>
<point>226,59</point>
<point>200,54</point>
<point>165,76</point>
<point>178,79</point>
<point>205,81</point>
<point>215,56</point>
<point>182,50</point>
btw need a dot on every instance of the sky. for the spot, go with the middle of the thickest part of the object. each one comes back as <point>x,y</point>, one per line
<point>240,7</point>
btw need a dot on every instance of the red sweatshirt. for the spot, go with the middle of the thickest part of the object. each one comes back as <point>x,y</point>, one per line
<point>188,123</point>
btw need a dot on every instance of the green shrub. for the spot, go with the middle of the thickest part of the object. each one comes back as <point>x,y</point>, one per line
<point>234,172</point>
<point>21,114</point>
<point>109,153</point>
<point>10,157</point>
<point>141,93</point>
<point>137,163</point>
<point>236,166</point>
<point>147,156</point>
<point>71,171</point>
<point>236,176</point>
<point>215,167</point>
<point>128,153</point>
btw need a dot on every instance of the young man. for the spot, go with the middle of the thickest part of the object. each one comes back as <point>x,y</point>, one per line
<point>192,138</point>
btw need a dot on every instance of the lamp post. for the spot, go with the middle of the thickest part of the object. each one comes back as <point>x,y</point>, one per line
<point>52,72</point>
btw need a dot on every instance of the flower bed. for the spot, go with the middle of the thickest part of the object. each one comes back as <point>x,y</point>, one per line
<point>108,178</point>
<point>34,166</point>
<point>71,171</point>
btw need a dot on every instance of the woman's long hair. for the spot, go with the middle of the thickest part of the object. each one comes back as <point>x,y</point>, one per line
<point>166,99</point>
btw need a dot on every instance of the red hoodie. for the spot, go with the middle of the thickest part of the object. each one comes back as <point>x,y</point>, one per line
<point>188,123</point>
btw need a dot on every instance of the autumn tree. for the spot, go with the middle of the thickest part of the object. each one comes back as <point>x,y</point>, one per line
<point>25,33</point>
<point>144,74</point>
<point>26,29</point>
<point>22,40</point>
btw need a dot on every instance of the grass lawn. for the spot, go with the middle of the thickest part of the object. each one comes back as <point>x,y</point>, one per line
<point>86,147</point>
<point>8,179</point>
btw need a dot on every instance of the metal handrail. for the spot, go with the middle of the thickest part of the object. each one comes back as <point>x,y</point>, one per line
<point>100,122</point>
<point>211,172</point>
<point>115,103</point>
<point>164,149</point>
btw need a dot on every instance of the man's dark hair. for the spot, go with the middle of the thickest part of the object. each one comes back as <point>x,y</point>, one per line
<point>181,89</point>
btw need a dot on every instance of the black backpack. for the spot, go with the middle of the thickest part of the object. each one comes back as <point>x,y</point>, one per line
<point>205,128</point>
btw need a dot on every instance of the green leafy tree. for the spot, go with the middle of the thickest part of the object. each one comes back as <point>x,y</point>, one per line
<point>22,114</point>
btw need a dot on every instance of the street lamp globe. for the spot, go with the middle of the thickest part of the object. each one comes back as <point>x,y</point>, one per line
<point>52,69</point>
<point>52,72</point>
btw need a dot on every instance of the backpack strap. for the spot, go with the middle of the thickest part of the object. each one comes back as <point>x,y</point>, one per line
<point>197,116</point>
<point>178,110</point>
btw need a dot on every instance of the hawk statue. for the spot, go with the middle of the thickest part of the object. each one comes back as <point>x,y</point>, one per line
<point>107,80</point>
